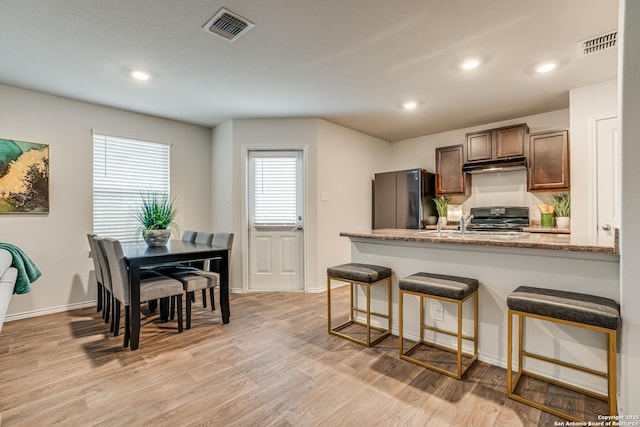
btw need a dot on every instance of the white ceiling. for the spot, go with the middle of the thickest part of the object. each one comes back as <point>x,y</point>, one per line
<point>352,62</point>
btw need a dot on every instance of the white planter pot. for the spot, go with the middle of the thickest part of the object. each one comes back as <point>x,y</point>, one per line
<point>562,222</point>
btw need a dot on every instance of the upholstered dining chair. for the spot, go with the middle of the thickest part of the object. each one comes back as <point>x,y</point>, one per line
<point>212,266</point>
<point>106,281</point>
<point>98,272</point>
<point>153,285</point>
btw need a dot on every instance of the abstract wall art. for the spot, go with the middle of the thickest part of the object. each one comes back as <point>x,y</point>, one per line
<point>24,177</point>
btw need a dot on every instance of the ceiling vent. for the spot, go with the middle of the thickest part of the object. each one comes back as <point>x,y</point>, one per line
<point>598,43</point>
<point>227,25</point>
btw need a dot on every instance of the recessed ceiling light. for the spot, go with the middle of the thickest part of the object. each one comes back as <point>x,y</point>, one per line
<point>139,75</point>
<point>409,105</point>
<point>545,68</point>
<point>470,64</point>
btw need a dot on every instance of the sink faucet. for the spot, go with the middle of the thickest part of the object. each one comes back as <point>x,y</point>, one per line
<point>464,221</point>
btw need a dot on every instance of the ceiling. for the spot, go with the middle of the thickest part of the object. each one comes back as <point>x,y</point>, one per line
<point>352,62</point>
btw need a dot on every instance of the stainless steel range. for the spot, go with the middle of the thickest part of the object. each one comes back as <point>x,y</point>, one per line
<point>499,218</point>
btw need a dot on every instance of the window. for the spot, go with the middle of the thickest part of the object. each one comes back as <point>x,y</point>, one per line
<point>274,187</point>
<point>123,169</point>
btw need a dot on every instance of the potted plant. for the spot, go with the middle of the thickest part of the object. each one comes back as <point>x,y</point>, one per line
<point>156,216</point>
<point>442,204</point>
<point>562,207</point>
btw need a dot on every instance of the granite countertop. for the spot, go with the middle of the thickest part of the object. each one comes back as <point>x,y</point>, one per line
<point>550,241</point>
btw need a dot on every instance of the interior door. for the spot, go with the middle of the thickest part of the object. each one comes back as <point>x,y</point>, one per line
<point>276,223</point>
<point>609,160</point>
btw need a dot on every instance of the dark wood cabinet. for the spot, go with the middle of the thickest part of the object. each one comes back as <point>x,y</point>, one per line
<point>450,179</point>
<point>548,161</point>
<point>501,143</point>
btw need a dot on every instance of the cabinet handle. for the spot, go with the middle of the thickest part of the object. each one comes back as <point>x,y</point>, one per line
<point>606,227</point>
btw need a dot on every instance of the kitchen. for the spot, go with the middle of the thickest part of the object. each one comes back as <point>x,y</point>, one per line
<point>578,262</point>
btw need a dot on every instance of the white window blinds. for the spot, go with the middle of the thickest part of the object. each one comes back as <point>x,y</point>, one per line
<point>122,170</point>
<point>275,190</point>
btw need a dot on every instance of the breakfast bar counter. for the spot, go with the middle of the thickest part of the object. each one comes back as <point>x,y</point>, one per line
<point>551,241</point>
<point>501,262</point>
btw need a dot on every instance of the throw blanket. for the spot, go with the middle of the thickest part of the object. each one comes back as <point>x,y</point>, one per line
<point>27,270</point>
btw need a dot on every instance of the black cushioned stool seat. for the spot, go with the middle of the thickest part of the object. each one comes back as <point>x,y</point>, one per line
<point>568,308</point>
<point>451,289</point>
<point>364,275</point>
<point>439,285</point>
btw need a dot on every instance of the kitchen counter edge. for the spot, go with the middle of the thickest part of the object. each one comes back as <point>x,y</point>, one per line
<point>555,242</point>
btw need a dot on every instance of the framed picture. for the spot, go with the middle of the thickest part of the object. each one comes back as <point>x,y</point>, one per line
<point>24,177</point>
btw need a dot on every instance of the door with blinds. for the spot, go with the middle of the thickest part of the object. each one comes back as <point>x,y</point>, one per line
<point>276,224</point>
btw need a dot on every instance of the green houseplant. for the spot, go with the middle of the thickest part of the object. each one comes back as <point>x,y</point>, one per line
<point>562,208</point>
<point>156,217</point>
<point>442,204</point>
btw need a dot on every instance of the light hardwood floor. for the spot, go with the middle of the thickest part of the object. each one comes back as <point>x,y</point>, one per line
<point>273,365</point>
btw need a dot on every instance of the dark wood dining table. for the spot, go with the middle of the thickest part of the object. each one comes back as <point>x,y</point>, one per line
<point>139,255</point>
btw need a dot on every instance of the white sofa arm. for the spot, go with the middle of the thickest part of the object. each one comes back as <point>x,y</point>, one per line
<point>8,276</point>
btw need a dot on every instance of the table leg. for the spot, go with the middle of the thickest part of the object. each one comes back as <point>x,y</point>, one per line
<point>134,288</point>
<point>224,288</point>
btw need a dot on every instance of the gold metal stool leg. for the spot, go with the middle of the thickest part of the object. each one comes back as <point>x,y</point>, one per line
<point>461,368</point>
<point>610,374</point>
<point>335,330</point>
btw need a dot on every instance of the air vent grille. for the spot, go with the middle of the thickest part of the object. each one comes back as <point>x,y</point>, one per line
<point>227,25</point>
<point>598,43</point>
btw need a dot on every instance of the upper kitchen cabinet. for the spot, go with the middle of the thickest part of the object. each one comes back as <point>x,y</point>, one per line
<point>450,178</point>
<point>548,161</point>
<point>501,143</point>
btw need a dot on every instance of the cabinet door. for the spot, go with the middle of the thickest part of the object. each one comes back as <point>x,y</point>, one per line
<point>548,167</point>
<point>479,146</point>
<point>450,179</point>
<point>510,141</point>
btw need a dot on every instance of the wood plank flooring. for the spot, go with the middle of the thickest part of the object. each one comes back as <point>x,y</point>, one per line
<point>273,365</point>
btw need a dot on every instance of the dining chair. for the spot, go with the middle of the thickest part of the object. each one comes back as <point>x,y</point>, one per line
<point>98,273</point>
<point>194,278</point>
<point>102,272</point>
<point>153,285</point>
<point>212,266</point>
<point>110,307</point>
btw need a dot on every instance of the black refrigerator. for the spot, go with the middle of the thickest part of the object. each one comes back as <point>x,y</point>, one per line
<point>403,199</point>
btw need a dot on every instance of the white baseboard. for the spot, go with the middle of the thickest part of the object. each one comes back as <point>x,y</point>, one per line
<point>50,310</point>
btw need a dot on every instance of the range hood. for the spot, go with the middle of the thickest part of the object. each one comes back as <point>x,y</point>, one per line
<point>496,165</point>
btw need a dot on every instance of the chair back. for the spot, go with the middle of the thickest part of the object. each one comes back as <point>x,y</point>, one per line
<point>94,257</point>
<point>189,236</point>
<point>204,238</point>
<point>104,263</point>
<point>118,269</point>
<point>224,240</point>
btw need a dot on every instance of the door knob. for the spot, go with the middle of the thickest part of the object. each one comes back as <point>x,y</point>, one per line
<point>606,227</point>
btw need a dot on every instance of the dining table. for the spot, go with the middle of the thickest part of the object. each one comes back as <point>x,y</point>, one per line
<point>139,255</point>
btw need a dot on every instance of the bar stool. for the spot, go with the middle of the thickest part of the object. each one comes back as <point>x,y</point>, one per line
<point>567,308</point>
<point>453,289</point>
<point>364,275</point>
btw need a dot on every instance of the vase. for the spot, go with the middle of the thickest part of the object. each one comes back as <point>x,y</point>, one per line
<point>547,220</point>
<point>562,221</point>
<point>156,237</point>
<point>442,221</point>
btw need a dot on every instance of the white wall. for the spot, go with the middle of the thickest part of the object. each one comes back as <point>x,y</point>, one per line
<point>506,188</point>
<point>629,94</point>
<point>347,162</point>
<point>267,133</point>
<point>57,242</point>
<point>340,162</point>
<point>586,103</point>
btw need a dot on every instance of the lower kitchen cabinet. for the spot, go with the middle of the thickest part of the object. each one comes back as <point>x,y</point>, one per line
<point>450,178</point>
<point>548,161</point>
